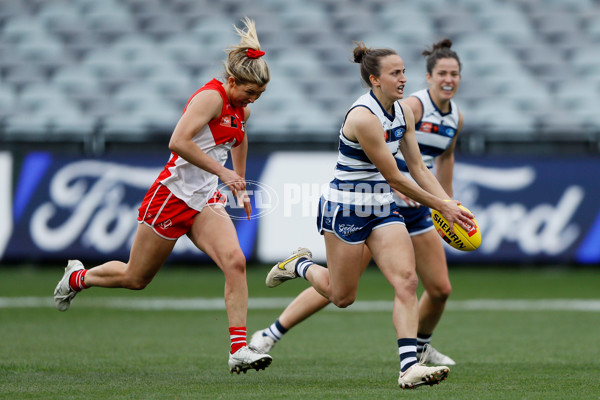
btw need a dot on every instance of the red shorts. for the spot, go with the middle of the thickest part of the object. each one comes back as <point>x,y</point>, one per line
<point>169,216</point>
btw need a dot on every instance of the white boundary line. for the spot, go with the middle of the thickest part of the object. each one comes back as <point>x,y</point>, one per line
<point>207,304</point>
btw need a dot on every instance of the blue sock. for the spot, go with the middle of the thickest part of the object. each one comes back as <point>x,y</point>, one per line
<point>275,331</point>
<point>302,265</point>
<point>407,348</point>
<point>422,341</point>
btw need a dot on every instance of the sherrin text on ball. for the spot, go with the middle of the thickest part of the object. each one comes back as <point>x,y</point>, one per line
<point>461,239</point>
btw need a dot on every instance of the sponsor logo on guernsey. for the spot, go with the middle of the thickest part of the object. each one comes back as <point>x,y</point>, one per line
<point>429,127</point>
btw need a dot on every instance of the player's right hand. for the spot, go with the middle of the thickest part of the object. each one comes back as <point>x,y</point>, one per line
<point>233,181</point>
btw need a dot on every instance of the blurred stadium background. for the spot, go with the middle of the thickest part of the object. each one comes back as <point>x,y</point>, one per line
<point>105,81</point>
<point>117,70</point>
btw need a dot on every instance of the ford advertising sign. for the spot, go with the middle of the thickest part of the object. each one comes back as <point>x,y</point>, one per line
<point>57,206</point>
<point>72,207</point>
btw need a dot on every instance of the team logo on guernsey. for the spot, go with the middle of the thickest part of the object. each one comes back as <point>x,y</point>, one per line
<point>391,135</point>
<point>229,121</point>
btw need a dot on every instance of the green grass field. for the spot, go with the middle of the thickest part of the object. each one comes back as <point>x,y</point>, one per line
<point>112,345</point>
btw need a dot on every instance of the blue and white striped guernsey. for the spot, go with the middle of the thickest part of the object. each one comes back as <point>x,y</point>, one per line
<point>356,179</point>
<point>434,131</point>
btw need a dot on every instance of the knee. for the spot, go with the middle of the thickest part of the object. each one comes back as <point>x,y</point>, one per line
<point>411,282</point>
<point>343,301</point>
<point>405,285</point>
<point>234,262</point>
<point>137,282</point>
<point>440,292</point>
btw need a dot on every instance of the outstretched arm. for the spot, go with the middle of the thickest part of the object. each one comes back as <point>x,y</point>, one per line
<point>363,126</point>
<point>414,161</point>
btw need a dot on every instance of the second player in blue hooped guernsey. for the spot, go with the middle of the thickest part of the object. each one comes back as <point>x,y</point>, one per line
<point>359,209</point>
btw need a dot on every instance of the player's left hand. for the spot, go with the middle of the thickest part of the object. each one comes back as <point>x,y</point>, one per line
<point>410,202</point>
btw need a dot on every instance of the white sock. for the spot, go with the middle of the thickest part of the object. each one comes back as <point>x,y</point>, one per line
<point>302,266</point>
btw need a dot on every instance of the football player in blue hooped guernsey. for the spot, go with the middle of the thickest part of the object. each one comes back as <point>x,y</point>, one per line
<point>438,123</point>
<point>359,209</point>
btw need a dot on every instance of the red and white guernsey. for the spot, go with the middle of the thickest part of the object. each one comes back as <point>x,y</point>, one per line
<point>194,185</point>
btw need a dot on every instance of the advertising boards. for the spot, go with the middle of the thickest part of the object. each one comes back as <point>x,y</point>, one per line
<point>60,206</point>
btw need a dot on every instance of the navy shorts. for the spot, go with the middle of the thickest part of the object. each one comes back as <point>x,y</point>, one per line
<point>351,226</point>
<point>417,220</point>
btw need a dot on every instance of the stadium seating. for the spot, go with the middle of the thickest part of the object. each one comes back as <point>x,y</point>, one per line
<point>8,101</point>
<point>525,62</point>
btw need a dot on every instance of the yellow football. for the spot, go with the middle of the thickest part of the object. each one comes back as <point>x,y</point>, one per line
<point>461,239</point>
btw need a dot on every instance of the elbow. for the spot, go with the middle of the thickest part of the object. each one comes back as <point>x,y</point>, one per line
<point>417,169</point>
<point>396,182</point>
<point>392,178</point>
<point>174,145</point>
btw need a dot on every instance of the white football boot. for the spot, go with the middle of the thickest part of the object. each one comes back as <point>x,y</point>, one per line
<point>286,269</point>
<point>434,357</point>
<point>246,358</point>
<point>420,374</point>
<point>262,343</point>
<point>64,294</point>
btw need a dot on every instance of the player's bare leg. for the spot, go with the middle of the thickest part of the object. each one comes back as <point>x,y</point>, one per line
<point>339,281</point>
<point>307,303</point>
<point>432,270</point>
<point>148,253</point>
<point>214,233</point>
<point>393,253</point>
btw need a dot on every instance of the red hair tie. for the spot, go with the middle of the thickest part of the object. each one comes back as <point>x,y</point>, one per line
<point>251,53</point>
